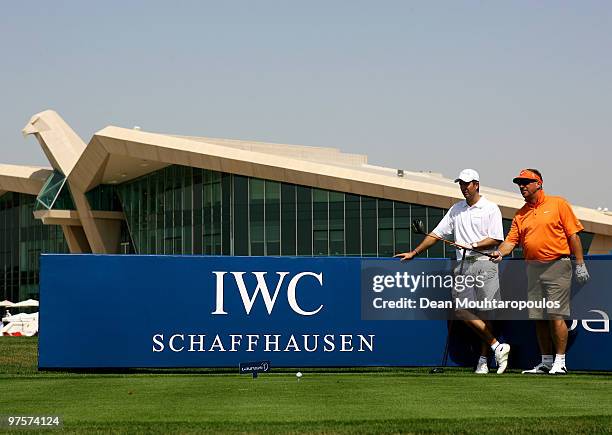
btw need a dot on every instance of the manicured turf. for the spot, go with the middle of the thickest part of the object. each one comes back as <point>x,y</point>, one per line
<point>370,401</point>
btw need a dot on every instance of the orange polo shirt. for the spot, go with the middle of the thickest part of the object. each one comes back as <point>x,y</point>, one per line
<point>543,229</point>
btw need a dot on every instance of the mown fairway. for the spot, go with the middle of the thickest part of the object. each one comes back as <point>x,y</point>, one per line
<point>398,400</point>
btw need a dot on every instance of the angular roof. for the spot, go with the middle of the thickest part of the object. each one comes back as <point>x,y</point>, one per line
<point>115,155</point>
<point>23,179</point>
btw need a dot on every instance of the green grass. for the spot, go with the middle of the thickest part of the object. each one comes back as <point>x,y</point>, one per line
<point>366,401</point>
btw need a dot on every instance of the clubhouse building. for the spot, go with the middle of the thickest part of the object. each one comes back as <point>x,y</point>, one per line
<point>132,192</point>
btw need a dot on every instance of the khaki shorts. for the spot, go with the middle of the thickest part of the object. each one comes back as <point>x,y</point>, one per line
<point>552,281</point>
<point>487,286</point>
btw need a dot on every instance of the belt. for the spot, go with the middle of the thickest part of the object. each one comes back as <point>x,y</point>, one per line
<point>475,258</point>
<point>547,262</point>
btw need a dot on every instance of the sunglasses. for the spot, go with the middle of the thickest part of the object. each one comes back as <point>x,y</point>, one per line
<point>525,181</point>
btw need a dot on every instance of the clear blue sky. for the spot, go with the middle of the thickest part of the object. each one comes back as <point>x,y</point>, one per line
<point>417,85</point>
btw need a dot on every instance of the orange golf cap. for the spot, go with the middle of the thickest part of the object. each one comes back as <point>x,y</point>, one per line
<point>526,174</point>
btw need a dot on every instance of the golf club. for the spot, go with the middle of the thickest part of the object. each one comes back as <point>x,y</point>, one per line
<point>419,228</point>
<point>440,369</point>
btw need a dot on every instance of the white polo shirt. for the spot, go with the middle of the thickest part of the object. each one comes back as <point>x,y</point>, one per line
<point>472,224</point>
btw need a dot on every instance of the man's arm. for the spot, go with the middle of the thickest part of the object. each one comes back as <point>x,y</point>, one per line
<point>427,243</point>
<point>444,228</point>
<point>572,227</point>
<point>582,274</point>
<point>509,244</point>
<point>576,247</point>
<point>504,249</point>
<point>487,243</point>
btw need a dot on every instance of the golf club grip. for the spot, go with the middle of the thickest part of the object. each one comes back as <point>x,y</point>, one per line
<point>456,245</point>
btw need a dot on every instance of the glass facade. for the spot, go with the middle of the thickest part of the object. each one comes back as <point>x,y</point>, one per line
<point>22,240</point>
<point>183,211</point>
<point>55,194</point>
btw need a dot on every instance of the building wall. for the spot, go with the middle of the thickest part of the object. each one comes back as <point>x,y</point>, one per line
<point>22,240</point>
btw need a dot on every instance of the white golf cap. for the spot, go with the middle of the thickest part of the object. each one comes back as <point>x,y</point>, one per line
<point>468,175</point>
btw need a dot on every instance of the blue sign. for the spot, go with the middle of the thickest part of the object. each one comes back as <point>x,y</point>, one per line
<point>195,311</point>
<point>254,367</point>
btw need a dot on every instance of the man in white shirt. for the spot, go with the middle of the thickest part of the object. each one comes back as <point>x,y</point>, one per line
<point>475,223</point>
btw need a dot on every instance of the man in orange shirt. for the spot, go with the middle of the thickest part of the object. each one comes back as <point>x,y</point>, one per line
<point>547,229</point>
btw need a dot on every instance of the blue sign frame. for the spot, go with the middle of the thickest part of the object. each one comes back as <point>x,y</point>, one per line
<point>117,311</point>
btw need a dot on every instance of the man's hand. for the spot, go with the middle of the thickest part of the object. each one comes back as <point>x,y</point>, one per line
<point>405,256</point>
<point>496,257</point>
<point>582,274</point>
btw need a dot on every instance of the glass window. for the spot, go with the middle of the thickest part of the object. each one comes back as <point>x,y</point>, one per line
<point>197,211</point>
<point>103,197</point>
<point>151,213</point>
<point>586,239</point>
<point>51,190</point>
<point>137,223</point>
<point>434,216</point>
<point>177,246</point>
<point>304,220</point>
<point>353,224</point>
<point>256,216</point>
<point>169,211</point>
<point>320,221</point>
<point>418,212</point>
<point>226,215</point>
<point>241,215</point>
<point>216,213</point>
<point>402,222</point>
<point>385,228</point>
<point>22,240</point>
<point>272,214</point>
<point>336,223</point>
<point>288,217</point>
<point>207,213</point>
<point>187,233</point>
<point>160,182</point>
<point>369,230</point>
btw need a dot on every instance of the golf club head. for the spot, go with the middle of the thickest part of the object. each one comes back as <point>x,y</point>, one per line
<point>418,226</point>
<point>436,370</point>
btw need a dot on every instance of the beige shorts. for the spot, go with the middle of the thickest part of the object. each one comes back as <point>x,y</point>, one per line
<point>552,281</point>
<point>486,285</point>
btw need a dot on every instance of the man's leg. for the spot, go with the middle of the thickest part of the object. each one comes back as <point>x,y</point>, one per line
<point>544,338</point>
<point>558,279</point>
<point>559,332</point>
<point>559,338</point>
<point>477,325</point>
<point>487,274</point>
<point>485,346</point>
<point>486,340</point>
<point>489,341</point>
<point>535,292</point>
<point>545,345</point>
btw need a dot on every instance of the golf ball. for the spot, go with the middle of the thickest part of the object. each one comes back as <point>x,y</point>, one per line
<point>298,375</point>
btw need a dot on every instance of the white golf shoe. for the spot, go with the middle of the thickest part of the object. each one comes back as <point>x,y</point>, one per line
<point>501,356</point>
<point>540,369</point>
<point>558,369</point>
<point>482,368</point>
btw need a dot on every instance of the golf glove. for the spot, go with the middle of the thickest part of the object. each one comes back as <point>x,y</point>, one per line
<point>582,274</point>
